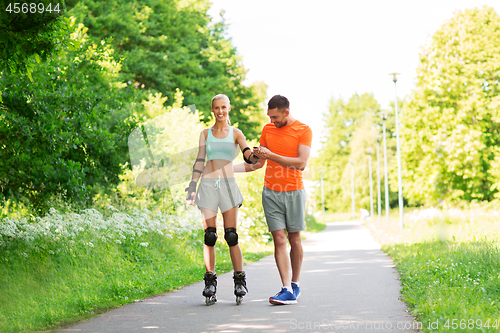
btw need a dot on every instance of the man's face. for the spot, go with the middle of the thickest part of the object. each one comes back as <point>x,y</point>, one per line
<point>277,117</point>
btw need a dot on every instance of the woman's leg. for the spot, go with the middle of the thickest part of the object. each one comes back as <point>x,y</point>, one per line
<point>209,221</point>
<point>230,218</point>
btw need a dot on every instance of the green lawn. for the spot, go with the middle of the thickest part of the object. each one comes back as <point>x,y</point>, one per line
<point>63,268</point>
<point>41,291</point>
<point>449,262</point>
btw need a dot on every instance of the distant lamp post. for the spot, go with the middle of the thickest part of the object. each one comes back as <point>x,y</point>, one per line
<point>400,178</point>
<point>352,190</point>
<point>383,115</point>
<point>322,195</point>
<point>370,152</point>
<point>379,199</point>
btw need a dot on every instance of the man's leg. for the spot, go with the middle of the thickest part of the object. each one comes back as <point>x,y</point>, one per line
<point>281,256</point>
<point>275,218</point>
<point>296,254</point>
<point>295,212</point>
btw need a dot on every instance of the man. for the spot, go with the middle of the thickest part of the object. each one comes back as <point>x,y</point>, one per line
<point>285,144</point>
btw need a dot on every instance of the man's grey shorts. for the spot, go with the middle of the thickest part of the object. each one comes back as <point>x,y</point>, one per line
<point>218,192</point>
<point>285,210</point>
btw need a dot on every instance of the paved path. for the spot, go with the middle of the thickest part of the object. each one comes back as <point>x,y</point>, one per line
<point>347,283</point>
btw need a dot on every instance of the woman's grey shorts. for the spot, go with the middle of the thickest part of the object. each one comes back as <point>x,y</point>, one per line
<point>218,192</point>
<point>285,210</point>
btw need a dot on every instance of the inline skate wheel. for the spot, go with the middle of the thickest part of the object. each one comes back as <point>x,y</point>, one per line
<point>210,300</point>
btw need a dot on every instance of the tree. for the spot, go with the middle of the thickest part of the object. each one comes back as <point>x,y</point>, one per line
<point>55,134</point>
<point>31,32</point>
<point>451,132</point>
<point>167,45</point>
<point>258,114</point>
<point>351,127</point>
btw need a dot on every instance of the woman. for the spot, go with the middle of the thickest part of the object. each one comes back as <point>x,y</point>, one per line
<point>218,189</point>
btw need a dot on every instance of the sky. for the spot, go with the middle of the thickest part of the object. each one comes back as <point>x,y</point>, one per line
<point>313,51</point>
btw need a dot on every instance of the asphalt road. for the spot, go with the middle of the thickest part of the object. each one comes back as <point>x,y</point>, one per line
<point>348,285</point>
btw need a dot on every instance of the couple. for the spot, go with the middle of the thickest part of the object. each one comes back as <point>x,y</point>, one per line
<point>285,144</point>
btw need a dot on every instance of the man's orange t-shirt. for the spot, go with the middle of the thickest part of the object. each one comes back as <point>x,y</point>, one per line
<point>284,141</point>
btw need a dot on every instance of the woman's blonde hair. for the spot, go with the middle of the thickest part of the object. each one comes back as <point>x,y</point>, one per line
<point>222,96</point>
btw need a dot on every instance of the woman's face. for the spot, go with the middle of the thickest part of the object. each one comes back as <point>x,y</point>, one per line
<point>220,109</point>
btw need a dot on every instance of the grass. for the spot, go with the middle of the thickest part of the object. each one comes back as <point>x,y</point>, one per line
<point>443,281</point>
<point>68,267</point>
<point>44,290</point>
<point>312,225</point>
<point>449,264</point>
<point>49,282</point>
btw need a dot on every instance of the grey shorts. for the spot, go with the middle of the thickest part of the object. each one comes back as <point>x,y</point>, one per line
<point>285,210</point>
<point>218,192</point>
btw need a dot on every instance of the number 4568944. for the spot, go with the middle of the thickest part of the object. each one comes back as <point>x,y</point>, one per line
<point>470,324</point>
<point>32,8</point>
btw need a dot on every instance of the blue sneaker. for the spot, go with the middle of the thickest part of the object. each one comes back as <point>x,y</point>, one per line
<point>284,297</point>
<point>296,290</point>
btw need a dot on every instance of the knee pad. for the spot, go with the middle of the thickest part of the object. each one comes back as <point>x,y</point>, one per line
<point>210,236</point>
<point>231,236</point>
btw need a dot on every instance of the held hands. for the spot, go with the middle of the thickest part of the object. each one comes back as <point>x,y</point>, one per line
<point>262,152</point>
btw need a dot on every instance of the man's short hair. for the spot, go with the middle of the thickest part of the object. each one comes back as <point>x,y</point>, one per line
<point>278,101</point>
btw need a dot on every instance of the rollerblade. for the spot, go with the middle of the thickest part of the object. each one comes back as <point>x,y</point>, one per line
<point>240,286</point>
<point>210,279</point>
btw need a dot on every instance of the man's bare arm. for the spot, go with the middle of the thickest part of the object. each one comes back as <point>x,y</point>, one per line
<point>299,162</point>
